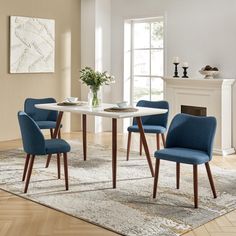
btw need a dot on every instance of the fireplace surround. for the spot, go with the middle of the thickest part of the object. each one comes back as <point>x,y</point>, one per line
<point>214,95</point>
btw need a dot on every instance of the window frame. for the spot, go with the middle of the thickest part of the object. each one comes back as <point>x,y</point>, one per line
<point>149,49</point>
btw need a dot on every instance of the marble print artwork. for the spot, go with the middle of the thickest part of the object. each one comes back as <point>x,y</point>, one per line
<point>32,45</point>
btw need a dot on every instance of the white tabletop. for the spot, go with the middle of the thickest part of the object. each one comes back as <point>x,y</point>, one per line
<point>84,109</point>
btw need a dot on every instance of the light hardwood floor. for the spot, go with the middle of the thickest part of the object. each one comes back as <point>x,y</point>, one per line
<point>23,217</point>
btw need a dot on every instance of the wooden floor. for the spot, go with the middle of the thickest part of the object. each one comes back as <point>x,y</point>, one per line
<point>23,217</point>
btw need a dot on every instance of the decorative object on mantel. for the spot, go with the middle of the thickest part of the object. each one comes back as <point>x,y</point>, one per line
<point>185,67</point>
<point>176,63</point>
<point>32,45</point>
<point>95,79</point>
<point>209,72</point>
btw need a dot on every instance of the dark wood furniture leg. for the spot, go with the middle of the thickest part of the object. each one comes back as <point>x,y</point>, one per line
<point>48,160</point>
<point>66,170</point>
<point>26,166</point>
<point>144,141</point>
<point>58,166</point>
<point>58,124</point>
<point>156,178</point>
<point>55,134</point>
<point>51,133</point>
<point>210,179</point>
<point>140,146</point>
<point>29,172</point>
<point>114,151</point>
<point>177,174</point>
<point>59,133</point>
<point>158,141</point>
<point>163,140</point>
<point>195,186</point>
<point>84,136</point>
<point>128,145</point>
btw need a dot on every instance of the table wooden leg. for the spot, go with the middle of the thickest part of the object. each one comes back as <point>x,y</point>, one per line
<point>114,150</point>
<point>58,124</point>
<point>144,141</point>
<point>85,137</point>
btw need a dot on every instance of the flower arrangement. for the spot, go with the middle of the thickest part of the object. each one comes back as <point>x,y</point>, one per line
<point>95,79</point>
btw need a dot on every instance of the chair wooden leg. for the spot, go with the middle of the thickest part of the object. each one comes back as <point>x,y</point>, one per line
<point>51,133</point>
<point>140,146</point>
<point>163,140</point>
<point>48,160</point>
<point>156,178</point>
<point>177,175</point>
<point>195,185</point>
<point>210,179</point>
<point>158,141</point>
<point>26,166</point>
<point>29,173</point>
<point>59,134</point>
<point>66,170</point>
<point>128,145</point>
<point>58,166</point>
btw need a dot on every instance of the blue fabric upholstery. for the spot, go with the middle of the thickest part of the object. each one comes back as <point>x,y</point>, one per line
<point>45,119</point>
<point>33,140</point>
<point>56,146</point>
<point>32,137</point>
<point>182,155</point>
<point>189,140</point>
<point>154,123</point>
<point>148,129</point>
<point>46,124</point>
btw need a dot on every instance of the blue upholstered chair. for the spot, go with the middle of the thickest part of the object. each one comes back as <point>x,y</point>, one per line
<point>190,141</point>
<point>155,124</point>
<point>45,119</point>
<point>35,144</point>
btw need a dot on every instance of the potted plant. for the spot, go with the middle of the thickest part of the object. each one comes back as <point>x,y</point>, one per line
<point>95,79</point>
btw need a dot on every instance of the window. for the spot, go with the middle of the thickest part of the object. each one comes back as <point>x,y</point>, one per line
<point>144,57</point>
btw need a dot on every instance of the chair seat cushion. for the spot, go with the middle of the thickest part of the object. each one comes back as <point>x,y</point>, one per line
<point>182,155</point>
<point>56,146</point>
<point>148,129</point>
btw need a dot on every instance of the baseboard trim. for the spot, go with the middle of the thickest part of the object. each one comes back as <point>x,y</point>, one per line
<point>223,152</point>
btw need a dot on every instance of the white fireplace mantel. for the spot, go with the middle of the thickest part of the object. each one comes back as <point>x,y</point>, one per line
<point>214,94</point>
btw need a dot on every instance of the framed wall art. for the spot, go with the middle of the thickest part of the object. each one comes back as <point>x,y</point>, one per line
<point>32,45</point>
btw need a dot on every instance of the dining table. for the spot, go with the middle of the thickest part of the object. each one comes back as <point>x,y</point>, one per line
<point>105,110</point>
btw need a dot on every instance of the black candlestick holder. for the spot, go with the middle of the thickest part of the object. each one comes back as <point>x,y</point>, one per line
<point>176,70</point>
<point>185,72</point>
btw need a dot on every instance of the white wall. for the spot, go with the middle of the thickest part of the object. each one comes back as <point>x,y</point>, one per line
<point>200,32</point>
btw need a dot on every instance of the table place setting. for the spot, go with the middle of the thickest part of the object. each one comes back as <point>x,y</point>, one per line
<point>72,101</point>
<point>121,107</point>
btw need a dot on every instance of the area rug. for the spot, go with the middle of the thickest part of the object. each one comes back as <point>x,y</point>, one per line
<point>129,209</point>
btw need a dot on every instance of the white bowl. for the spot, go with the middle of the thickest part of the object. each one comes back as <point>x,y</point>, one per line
<point>72,99</point>
<point>122,104</point>
<point>209,74</point>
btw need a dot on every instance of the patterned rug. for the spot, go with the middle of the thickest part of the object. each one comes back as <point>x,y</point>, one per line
<point>129,209</point>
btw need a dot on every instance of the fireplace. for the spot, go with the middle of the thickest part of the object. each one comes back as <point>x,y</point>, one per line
<point>204,97</point>
<point>194,110</point>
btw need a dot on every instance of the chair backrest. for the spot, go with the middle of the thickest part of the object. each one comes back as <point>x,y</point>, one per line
<point>39,114</point>
<point>160,119</point>
<point>194,132</point>
<point>32,137</point>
